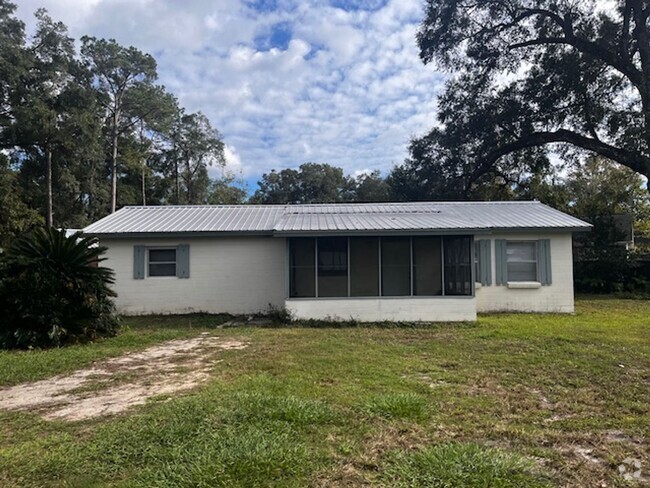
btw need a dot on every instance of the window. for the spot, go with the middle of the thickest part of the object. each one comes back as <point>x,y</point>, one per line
<point>395,266</point>
<point>162,262</point>
<point>522,260</point>
<point>364,266</point>
<point>458,265</point>
<point>332,266</point>
<point>302,267</point>
<point>427,266</point>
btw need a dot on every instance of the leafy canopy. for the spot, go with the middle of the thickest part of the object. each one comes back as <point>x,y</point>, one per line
<point>526,74</point>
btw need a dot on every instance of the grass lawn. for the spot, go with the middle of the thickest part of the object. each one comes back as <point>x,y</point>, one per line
<point>514,400</point>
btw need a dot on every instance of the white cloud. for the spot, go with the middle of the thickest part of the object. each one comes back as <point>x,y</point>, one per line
<point>233,161</point>
<point>347,88</point>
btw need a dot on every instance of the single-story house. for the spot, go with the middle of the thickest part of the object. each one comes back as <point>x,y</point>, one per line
<point>424,261</point>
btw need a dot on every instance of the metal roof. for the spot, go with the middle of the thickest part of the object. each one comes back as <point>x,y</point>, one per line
<point>333,218</point>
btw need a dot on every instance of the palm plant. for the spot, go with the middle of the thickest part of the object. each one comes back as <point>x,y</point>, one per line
<point>53,291</point>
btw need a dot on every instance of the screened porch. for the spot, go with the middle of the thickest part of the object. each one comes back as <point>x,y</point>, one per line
<point>386,266</point>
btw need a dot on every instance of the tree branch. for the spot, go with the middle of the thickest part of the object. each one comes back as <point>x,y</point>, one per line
<point>631,159</point>
<point>591,48</point>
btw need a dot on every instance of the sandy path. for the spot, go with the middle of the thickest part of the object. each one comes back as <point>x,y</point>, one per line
<point>113,385</point>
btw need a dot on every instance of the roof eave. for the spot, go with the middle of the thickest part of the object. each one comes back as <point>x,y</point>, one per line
<point>157,235</point>
<point>490,230</point>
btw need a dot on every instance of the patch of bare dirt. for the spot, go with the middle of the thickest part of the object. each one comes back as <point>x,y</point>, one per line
<point>113,385</point>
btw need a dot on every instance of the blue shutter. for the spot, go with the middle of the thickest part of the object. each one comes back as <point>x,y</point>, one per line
<point>501,262</point>
<point>485,261</point>
<point>138,262</point>
<point>183,261</point>
<point>545,274</point>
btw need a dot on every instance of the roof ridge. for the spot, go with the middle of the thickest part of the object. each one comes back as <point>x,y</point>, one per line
<point>332,204</point>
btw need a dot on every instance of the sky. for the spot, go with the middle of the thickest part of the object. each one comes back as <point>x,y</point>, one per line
<point>284,81</point>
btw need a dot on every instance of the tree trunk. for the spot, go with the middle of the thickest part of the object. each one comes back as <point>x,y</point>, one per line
<point>178,185</point>
<point>188,182</point>
<point>49,214</point>
<point>144,185</point>
<point>91,193</point>
<point>144,166</point>
<point>114,163</point>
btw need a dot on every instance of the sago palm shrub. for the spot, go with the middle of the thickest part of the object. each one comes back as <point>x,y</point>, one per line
<point>53,291</point>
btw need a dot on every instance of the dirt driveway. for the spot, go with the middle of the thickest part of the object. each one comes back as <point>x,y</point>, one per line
<point>113,385</point>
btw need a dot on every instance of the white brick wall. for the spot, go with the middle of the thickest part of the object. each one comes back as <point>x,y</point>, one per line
<point>229,274</point>
<point>557,297</point>
<point>245,274</point>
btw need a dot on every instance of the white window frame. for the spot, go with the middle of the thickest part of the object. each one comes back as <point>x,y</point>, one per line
<point>536,261</point>
<point>165,248</point>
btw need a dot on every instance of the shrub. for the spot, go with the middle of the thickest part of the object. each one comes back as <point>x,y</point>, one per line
<point>279,315</point>
<point>53,292</point>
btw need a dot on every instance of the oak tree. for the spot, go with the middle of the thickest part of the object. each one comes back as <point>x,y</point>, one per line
<point>526,74</point>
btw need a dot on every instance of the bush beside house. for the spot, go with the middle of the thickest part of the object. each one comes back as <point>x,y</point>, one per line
<point>52,291</point>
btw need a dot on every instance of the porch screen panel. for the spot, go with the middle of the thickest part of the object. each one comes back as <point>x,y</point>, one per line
<point>458,265</point>
<point>302,267</point>
<point>395,266</point>
<point>427,266</point>
<point>364,266</point>
<point>332,266</point>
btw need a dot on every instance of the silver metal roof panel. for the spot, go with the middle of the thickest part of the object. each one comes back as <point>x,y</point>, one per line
<point>333,218</point>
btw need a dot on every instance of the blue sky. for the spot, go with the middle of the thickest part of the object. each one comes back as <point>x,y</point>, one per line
<point>285,81</point>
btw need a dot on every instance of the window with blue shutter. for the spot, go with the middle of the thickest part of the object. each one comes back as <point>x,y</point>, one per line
<point>158,262</point>
<point>523,261</point>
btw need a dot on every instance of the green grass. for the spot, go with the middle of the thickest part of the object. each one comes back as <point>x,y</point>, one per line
<point>398,406</point>
<point>509,401</point>
<point>452,464</point>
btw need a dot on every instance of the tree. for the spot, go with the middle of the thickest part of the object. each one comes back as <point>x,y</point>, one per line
<point>16,217</point>
<point>227,191</point>
<point>118,71</point>
<point>601,188</point>
<point>529,74</point>
<point>599,191</point>
<point>371,187</point>
<point>75,127</point>
<point>13,63</point>
<point>38,111</point>
<point>195,145</point>
<point>310,183</point>
<point>151,113</point>
<point>53,292</point>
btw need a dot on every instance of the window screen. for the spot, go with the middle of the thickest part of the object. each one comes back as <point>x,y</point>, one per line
<point>427,266</point>
<point>396,266</point>
<point>332,266</point>
<point>162,262</point>
<point>522,261</point>
<point>302,267</point>
<point>364,266</point>
<point>458,266</point>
